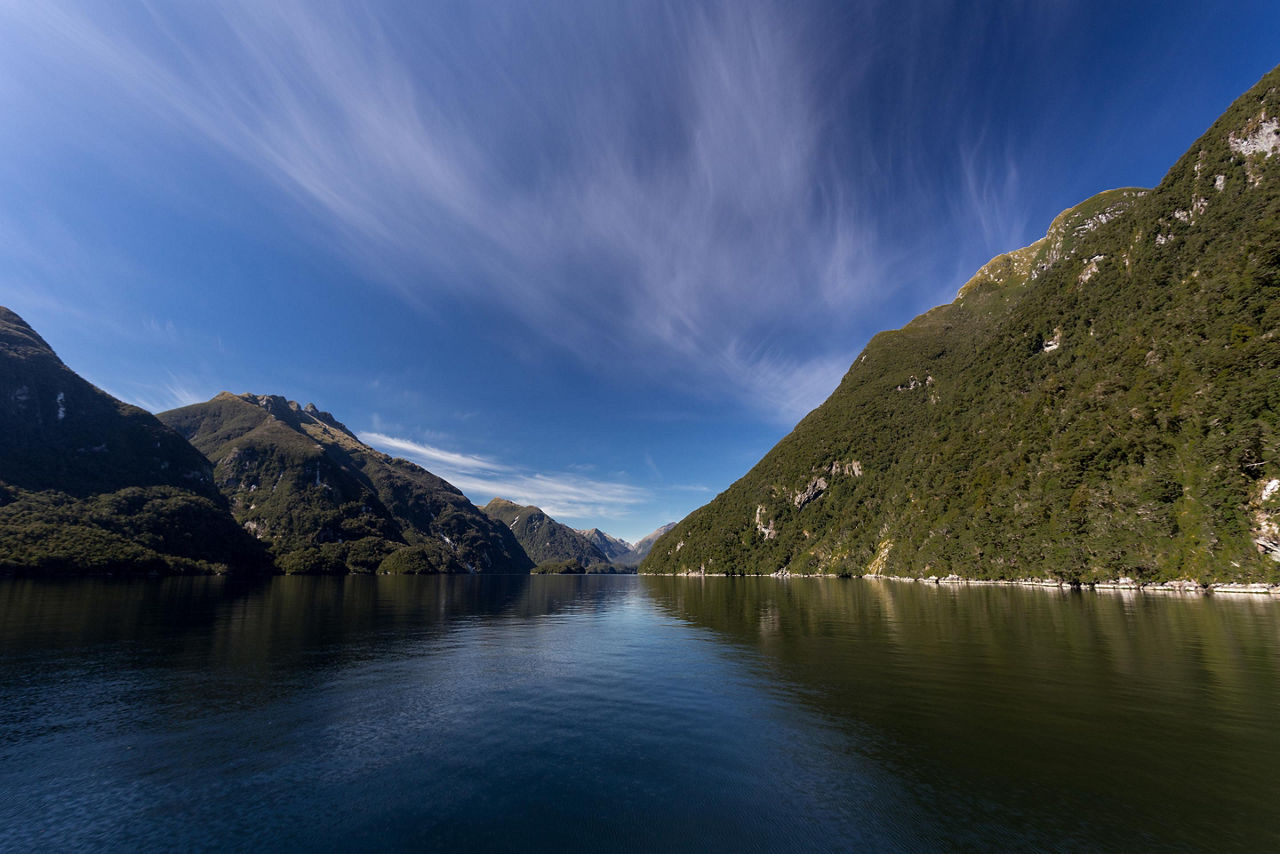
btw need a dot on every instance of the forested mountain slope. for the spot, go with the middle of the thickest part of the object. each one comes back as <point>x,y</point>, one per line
<point>544,539</point>
<point>326,502</point>
<point>90,484</point>
<point>1102,403</point>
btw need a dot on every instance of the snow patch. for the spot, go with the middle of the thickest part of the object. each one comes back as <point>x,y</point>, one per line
<point>62,406</point>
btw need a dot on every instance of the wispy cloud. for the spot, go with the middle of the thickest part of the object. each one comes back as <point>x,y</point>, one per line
<point>565,495</point>
<point>432,457</point>
<point>168,394</point>
<point>680,193</point>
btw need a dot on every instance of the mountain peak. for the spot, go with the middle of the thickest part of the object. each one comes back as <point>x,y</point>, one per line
<point>501,504</point>
<point>543,538</point>
<point>297,478</point>
<point>16,335</point>
<point>92,484</point>
<point>1060,241</point>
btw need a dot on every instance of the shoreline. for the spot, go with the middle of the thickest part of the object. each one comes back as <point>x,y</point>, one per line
<point>1182,587</point>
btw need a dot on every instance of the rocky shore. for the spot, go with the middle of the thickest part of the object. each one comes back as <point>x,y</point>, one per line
<point>1183,587</point>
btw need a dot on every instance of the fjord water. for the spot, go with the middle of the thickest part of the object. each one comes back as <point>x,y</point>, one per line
<point>624,713</point>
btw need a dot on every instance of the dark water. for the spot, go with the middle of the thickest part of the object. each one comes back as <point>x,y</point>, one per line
<point>598,713</point>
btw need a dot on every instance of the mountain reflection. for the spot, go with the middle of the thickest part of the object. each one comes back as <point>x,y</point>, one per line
<point>1098,702</point>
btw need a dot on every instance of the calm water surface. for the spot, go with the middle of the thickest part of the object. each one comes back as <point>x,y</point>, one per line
<point>648,714</point>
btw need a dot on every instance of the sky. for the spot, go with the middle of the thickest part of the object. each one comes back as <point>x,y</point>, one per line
<point>593,256</point>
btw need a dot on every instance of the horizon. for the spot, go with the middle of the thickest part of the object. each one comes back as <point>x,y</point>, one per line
<point>594,260</point>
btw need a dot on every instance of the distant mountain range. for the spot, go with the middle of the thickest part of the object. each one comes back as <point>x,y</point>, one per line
<point>611,547</point>
<point>641,549</point>
<point>550,542</point>
<point>544,539</point>
<point>1103,403</point>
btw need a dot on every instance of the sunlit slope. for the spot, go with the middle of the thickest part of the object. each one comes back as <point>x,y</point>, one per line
<point>1101,403</point>
<point>326,502</point>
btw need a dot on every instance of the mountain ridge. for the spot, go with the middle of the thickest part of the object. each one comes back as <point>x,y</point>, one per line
<point>91,484</point>
<point>544,539</point>
<point>641,549</point>
<point>1101,403</point>
<point>299,479</point>
<point>610,546</point>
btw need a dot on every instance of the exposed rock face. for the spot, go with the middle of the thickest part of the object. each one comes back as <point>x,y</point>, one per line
<point>814,490</point>
<point>326,502</point>
<point>1266,519</point>
<point>89,483</point>
<point>1256,141</point>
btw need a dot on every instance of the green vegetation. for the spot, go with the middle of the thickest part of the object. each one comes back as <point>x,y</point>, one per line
<point>327,503</point>
<point>1100,404</point>
<point>89,484</point>
<point>137,530</point>
<point>543,538</point>
<point>573,567</point>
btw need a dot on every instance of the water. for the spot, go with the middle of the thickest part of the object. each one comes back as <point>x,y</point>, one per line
<point>596,713</point>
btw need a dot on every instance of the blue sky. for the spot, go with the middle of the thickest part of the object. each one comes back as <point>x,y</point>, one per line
<point>595,256</point>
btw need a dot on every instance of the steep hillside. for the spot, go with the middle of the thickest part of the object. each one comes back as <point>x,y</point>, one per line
<point>326,502</point>
<point>1102,403</point>
<point>611,547</point>
<point>544,539</point>
<point>91,484</point>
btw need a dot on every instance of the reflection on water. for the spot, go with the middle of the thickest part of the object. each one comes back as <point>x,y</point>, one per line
<point>1124,713</point>
<point>517,713</point>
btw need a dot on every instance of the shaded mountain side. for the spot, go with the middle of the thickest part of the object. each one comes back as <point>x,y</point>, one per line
<point>641,549</point>
<point>610,547</point>
<point>1102,403</point>
<point>90,484</point>
<point>544,539</point>
<point>326,502</point>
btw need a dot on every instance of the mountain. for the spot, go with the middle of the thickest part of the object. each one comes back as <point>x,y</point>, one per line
<point>610,547</point>
<point>326,502</point>
<point>89,483</point>
<point>544,539</point>
<point>641,549</point>
<point>1102,403</point>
